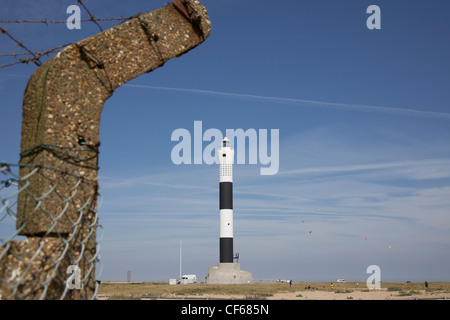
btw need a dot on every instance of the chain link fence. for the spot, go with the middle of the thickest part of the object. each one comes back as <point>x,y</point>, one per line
<point>54,264</point>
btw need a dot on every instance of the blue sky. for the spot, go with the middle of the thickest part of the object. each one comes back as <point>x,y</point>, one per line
<point>364,124</point>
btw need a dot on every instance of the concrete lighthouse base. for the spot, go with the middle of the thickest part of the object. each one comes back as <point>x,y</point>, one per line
<point>228,273</point>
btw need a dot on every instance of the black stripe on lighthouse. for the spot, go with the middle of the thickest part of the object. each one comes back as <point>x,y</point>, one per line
<point>226,250</point>
<point>226,195</point>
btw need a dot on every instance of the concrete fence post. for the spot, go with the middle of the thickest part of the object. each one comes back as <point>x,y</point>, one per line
<point>62,106</point>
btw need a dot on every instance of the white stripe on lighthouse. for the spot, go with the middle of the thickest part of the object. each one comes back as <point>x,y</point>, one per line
<point>226,223</point>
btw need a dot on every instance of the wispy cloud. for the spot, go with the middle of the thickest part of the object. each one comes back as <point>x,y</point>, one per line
<point>311,103</point>
<point>287,193</point>
<point>419,169</point>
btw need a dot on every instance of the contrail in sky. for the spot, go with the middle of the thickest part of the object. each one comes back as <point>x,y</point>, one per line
<point>323,104</point>
<point>438,167</point>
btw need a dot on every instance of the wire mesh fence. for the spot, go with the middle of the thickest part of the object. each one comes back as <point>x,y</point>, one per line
<point>55,264</point>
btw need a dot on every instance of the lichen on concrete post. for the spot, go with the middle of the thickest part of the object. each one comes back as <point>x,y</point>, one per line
<point>62,106</point>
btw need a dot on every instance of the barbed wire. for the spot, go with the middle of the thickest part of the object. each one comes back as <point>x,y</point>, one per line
<point>91,16</point>
<point>35,56</point>
<point>45,21</point>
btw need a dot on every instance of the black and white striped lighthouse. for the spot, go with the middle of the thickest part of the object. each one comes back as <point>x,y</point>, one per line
<point>227,271</point>
<point>226,159</point>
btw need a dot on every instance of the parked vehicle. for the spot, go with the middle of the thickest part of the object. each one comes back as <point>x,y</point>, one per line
<point>188,278</point>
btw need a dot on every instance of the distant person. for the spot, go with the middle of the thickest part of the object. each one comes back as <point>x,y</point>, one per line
<point>331,285</point>
<point>290,283</point>
<point>426,284</point>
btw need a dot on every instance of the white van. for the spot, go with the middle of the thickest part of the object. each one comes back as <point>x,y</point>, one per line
<point>188,278</point>
<point>340,280</point>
